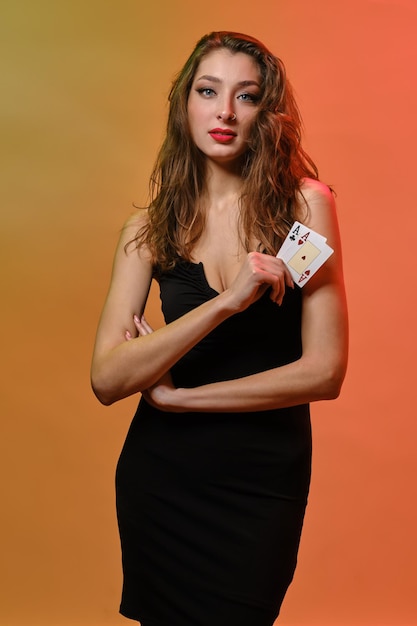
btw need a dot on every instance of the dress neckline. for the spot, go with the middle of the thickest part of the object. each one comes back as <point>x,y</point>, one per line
<point>200,266</point>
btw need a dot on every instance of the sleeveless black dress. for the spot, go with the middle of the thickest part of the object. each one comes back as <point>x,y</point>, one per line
<point>211,505</point>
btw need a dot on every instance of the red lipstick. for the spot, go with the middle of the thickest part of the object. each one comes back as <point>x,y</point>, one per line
<point>222,135</point>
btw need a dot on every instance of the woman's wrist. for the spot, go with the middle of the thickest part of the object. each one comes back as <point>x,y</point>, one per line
<point>177,400</point>
<point>167,399</point>
<point>226,303</point>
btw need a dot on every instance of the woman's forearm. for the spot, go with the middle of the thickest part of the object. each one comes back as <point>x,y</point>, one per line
<point>135,365</point>
<point>121,368</point>
<point>317,375</point>
<point>300,382</point>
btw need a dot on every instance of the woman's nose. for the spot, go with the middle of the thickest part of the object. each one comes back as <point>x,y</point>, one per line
<point>227,115</point>
<point>226,105</point>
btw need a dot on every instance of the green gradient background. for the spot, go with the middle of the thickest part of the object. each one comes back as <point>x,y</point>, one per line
<point>83,92</point>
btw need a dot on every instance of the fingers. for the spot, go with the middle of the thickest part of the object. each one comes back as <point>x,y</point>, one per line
<point>279,277</point>
<point>284,280</point>
<point>142,327</point>
<point>258,273</point>
<point>278,290</point>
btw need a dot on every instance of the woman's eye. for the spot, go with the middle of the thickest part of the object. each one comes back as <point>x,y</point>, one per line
<point>249,97</point>
<point>206,91</point>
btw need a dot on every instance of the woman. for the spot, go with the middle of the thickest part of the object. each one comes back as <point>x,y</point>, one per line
<point>213,478</point>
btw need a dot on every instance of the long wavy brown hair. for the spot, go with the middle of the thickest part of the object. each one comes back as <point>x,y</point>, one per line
<point>273,166</point>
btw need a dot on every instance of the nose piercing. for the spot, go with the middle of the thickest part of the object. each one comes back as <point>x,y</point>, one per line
<point>232,118</point>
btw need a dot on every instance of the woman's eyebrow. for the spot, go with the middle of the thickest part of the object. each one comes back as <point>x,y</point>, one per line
<point>212,79</point>
<point>241,83</point>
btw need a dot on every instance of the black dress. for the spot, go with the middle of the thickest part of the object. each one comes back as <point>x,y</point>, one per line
<point>211,505</point>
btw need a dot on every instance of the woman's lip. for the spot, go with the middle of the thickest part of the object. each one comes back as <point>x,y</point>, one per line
<point>222,134</point>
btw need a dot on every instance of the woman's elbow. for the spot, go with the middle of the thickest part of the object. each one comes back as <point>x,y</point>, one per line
<point>102,387</point>
<point>332,382</point>
<point>109,387</point>
<point>104,399</point>
<point>101,392</point>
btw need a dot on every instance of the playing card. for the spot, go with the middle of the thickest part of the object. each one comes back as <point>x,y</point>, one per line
<point>304,251</point>
<point>297,235</point>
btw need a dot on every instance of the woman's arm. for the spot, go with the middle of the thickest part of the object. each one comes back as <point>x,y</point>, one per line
<point>121,368</point>
<point>319,373</point>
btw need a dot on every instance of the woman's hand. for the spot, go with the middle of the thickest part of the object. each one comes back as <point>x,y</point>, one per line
<point>259,272</point>
<point>142,327</point>
<point>162,394</point>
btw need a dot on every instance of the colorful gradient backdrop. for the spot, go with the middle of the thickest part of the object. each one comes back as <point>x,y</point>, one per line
<point>84,85</point>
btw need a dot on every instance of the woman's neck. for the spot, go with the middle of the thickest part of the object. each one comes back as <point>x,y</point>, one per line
<point>222,185</point>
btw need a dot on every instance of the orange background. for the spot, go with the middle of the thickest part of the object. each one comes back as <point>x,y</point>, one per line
<point>84,85</point>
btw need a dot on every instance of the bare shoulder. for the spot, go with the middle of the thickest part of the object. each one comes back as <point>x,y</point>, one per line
<point>318,208</point>
<point>318,211</point>
<point>136,220</point>
<point>129,232</point>
<point>315,195</point>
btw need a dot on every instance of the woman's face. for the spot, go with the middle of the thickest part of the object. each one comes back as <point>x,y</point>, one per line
<point>223,104</point>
